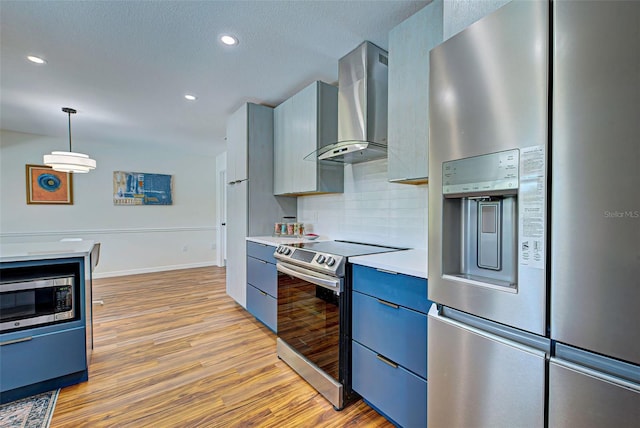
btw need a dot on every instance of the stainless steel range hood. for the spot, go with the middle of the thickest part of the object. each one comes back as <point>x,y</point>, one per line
<point>362,107</point>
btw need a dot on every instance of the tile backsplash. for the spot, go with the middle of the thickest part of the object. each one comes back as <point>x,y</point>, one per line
<point>370,210</point>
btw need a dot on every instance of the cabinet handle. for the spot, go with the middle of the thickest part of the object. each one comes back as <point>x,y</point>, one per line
<point>392,305</point>
<point>11,342</point>
<point>262,292</point>
<point>262,261</point>
<point>387,361</point>
<point>387,271</point>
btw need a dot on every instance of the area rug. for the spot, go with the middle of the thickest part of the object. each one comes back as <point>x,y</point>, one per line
<point>31,412</point>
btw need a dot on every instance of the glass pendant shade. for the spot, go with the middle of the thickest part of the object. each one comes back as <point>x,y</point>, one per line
<point>69,161</point>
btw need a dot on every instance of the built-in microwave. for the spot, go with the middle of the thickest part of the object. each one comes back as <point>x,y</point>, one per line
<point>35,302</point>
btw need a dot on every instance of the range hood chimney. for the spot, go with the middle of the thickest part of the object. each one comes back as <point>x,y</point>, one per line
<point>362,107</point>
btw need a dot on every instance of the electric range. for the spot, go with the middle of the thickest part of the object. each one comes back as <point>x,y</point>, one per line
<point>314,313</point>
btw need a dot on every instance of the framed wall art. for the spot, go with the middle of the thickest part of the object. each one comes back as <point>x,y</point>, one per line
<point>46,186</point>
<point>141,188</point>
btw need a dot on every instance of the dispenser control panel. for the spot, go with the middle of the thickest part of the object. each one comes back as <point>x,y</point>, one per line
<point>486,173</point>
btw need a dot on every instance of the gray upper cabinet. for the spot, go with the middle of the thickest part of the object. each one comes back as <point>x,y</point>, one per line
<point>408,127</point>
<point>251,207</point>
<point>302,124</point>
<point>237,149</point>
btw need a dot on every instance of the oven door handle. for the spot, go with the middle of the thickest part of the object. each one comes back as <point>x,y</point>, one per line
<point>300,273</point>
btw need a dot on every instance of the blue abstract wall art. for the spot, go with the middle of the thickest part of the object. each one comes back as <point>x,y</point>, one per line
<point>141,188</point>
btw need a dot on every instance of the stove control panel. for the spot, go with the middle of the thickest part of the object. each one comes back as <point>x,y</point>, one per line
<point>322,262</point>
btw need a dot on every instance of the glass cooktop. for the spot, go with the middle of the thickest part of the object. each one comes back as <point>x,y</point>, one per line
<point>346,248</point>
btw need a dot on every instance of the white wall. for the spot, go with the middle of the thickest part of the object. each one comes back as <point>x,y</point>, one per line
<point>459,14</point>
<point>370,210</point>
<point>133,239</point>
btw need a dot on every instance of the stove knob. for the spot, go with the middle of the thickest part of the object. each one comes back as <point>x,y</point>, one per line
<point>281,250</point>
<point>331,261</point>
<point>320,259</point>
<point>287,251</point>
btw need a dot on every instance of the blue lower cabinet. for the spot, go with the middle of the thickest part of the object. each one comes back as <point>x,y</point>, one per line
<point>43,357</point>
<point>394,391</point>
<point>261,251</point>
<point>262,284</point>
<point>392,330</point>
<point>389,342</point>
<point>405,290</point>
<point>262,275</point>
<point>263,306</point>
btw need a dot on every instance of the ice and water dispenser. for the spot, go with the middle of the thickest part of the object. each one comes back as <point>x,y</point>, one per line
<point>480,220</point>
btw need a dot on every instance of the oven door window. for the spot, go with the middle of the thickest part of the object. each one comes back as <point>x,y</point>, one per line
<point>309,321</point>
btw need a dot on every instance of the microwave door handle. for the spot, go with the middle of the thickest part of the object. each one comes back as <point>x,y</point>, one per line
<point>331,284</point>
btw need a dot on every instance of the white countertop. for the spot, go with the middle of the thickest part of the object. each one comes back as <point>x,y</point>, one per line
<point>277,240</point>
<point>44,250</point>
<point>408,262</point>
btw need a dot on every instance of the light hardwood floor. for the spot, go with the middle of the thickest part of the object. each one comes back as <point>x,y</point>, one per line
<point>173,350</point>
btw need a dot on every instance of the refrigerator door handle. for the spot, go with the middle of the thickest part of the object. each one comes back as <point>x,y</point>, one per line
<point>433,313</point>
<point>596,374</point>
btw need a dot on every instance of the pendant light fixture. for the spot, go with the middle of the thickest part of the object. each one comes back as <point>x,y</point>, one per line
<point>69,161</point>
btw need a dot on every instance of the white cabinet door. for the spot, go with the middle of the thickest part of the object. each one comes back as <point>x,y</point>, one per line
<point>303,123</point>
<point>279,152</point>
<point>237,216</point>
<point>303,139</point>
<point>237,145</point>
<point>408,127</point>
<point>283,156</point>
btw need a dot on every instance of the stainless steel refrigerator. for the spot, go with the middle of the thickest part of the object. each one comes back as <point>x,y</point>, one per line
<point>534,203</point>
<point>594,374</point>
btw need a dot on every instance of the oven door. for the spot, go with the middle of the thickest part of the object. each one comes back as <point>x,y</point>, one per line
<point>309,315</point>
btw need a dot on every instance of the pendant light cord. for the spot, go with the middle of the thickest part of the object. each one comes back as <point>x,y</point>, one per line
<point>69,111</point>
<point>70,131</point>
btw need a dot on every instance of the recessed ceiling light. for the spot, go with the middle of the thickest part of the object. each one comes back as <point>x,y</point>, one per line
<point>228,40</point>
<point>190,97</point>
<point>36,59</point>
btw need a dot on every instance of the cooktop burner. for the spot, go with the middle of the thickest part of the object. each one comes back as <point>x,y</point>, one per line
<point>327,256</point>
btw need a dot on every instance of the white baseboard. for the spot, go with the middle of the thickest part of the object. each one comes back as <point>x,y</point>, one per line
<point>151,270</point>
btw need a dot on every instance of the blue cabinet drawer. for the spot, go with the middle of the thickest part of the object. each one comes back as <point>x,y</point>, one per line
<point>261,251</point>
<point>396,392</point>
<point>396,332</point>
<point>42,358</point>
<point>262,275</point>
<point>263,307</point>
<point>404,290</point>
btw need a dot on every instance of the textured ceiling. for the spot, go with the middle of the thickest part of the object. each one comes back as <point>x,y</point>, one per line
<point>125,65</point>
